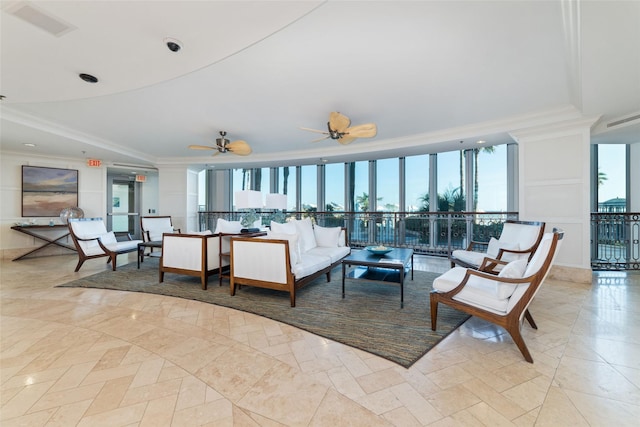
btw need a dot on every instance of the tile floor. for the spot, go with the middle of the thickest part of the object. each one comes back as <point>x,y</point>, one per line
<point>93,357</point>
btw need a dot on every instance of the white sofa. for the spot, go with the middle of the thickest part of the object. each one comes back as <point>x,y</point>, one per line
<point>288,257</point>
<point>192,254</point>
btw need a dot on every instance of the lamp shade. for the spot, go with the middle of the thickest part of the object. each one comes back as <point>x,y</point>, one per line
<point>276,201</point>
<point>248,199</point>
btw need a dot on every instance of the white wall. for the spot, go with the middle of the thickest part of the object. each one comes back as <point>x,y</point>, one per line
<point>91,197</point>
<point>555,188</point>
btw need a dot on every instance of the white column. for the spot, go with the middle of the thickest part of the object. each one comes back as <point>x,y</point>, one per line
<point>633,192</point>
<point>554,187</point>
<point>178,187</point>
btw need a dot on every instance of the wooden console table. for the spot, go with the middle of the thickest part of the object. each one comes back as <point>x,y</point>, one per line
<point>37,232</point>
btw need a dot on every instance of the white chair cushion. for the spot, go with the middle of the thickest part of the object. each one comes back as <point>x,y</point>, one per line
<point>470,257</point>
<point>514,270</point>
<point>294,244</point>
<point>201,233</point>
<point>156,227</point>
<point>494,248</point>
<point>524,234</point>
<point>307,238</point>
<point>478,291</point>
<point>540,255</point>
<point>224,226</point>
<point>327,237</point>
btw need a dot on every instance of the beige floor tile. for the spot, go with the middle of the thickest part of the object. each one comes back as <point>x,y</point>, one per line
<point>72,357</point>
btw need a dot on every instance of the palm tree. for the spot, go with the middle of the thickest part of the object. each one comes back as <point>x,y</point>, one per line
<point>602,177</point>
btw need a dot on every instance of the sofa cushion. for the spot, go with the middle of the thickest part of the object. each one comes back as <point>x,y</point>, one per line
<point>294,244</point>
<point>310,264</point>
<point>334,254</point>
<point>287,227</point>
<point>328,237</point>
<point>305,230</point>
<point>513,270</point>
<point>224,226</point>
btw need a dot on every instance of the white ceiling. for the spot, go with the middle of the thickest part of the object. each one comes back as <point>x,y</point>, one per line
<point>428,73</point>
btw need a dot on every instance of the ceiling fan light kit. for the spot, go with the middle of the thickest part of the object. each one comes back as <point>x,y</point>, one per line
<point>339,129</point>
<point>239,147</point>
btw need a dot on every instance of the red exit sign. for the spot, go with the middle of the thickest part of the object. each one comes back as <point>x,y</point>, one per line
<point>94,163</point>
<point>141,178</point>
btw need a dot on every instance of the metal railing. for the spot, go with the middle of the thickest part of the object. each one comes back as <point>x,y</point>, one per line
<point>615,237</point>
<point>426,233</point>
<point>615,241</point>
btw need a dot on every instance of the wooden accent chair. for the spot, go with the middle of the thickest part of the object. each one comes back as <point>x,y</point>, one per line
<point>152,228</point>
<point>503,299</point>
<point>92,240</point>
<point>519,239</point>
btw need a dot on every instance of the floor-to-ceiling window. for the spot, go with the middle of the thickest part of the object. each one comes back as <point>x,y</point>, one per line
<point>388,185</point>
<point>287,185</point>
<point>490,179</point>
<point>612,188</point>
<point>309,188</point>
<point>416,183</point>
<point>451,178</point>
<point>334,185</point>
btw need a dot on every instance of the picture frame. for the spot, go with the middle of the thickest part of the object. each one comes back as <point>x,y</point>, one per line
<point>46,191</point>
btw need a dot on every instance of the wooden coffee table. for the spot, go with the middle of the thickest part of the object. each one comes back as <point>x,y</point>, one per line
<point>390,267</point>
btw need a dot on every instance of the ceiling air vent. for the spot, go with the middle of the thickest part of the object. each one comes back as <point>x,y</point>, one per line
<point>624,121</point>
<point>41,19</point>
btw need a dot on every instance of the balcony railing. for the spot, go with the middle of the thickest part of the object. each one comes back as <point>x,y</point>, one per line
<point>425,232</point>
<point>615,241</point>
<point>615,237</point>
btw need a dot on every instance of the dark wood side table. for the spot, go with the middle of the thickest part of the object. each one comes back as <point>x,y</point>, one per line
<point>390,267</point>
<point>38,231</point>
<point>143,245</point>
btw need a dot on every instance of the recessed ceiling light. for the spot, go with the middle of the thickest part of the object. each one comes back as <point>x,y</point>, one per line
<point>88,78</point>
<point>481,141</point>
<point>29,144</point>
<point>172,44</point>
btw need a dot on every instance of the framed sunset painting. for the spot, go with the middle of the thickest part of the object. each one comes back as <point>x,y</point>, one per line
<point>46,191</point>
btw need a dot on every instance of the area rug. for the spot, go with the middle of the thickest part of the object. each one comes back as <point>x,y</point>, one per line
<point>368,318</point>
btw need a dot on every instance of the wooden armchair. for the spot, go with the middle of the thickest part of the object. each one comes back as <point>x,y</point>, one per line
<point>92,240</point>
<point>153,227</point>
<point>519,239</point>
<point>503,299</point>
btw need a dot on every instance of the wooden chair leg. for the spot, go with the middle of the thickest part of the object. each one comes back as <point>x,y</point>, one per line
<point>113,262</point>
<point>527,315</point>
<point>80,262</point>
<point>434,312</point>
<point>516,336</point>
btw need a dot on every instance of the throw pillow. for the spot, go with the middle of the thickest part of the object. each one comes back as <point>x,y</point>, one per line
<point>307,238</point>
<point>494,248</point>
<point>513,270</point>
<point>225,226</point>
<point>294,245</point>
<point>327,237</point>
<point>287,227</point>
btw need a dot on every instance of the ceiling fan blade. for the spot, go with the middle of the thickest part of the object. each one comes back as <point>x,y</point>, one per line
<point>321,139</point>
<point>338,122</point>
<point>347,139</point>
<point>202,147</point>
<point>367,130</point>
<point>239,147</point>
<point>216,153</point>
<point>315,130</point>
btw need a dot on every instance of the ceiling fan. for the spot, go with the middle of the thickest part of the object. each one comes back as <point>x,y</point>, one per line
<point>338,129</point>
<point>223,145</point>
